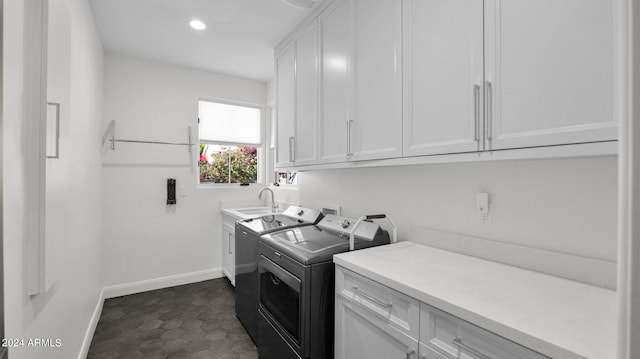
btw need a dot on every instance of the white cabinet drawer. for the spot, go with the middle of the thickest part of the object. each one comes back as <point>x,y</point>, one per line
<point>396,309</point>
<point>455,338</point>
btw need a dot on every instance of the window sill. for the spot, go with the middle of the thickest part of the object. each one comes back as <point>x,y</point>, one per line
<point>213,185</point>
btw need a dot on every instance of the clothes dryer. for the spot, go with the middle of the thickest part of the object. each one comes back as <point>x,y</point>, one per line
<point>248,232</point>
<point>297,285</point>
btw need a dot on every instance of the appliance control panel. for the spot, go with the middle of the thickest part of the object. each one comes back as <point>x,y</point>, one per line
<point>307,215</point>
<point>343,225</point>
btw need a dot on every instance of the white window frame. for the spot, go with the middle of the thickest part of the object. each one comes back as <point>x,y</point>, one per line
<point>260,178</point>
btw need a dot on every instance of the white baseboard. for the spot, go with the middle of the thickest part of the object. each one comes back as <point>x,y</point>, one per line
<point>163,282</point>
<point>93,323</point>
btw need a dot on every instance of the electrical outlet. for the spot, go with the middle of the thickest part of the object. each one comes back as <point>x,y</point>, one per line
<point>482,206</point>
<point>483,218</point>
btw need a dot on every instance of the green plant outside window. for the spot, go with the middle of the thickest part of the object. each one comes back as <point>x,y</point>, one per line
<point>228,164</point>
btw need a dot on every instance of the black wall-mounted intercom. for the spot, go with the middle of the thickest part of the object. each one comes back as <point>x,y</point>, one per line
<point>171,191</point>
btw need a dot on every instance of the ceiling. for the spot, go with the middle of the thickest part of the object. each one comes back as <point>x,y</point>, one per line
<point>239,38</point>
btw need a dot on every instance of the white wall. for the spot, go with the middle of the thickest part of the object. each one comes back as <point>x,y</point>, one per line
<point>146,241</point>
<point>65,311</point>
<point>567,205</point>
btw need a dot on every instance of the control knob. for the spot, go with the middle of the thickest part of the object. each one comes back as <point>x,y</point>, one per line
<point>300,212</point>
<point>345,224</point>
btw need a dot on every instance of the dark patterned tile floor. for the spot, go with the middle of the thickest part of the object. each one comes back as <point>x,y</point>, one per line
<point>190,321</point>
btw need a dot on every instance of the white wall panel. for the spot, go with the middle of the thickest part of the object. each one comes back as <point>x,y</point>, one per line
<point>567,206</point>
<point>145,239</point>
<point>65,311</point>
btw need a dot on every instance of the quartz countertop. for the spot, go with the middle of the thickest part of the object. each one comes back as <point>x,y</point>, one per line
<point>557,317</point>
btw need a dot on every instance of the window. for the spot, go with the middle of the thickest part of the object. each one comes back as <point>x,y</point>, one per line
<point>229,142</point>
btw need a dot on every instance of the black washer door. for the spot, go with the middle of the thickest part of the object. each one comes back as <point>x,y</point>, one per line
<point>280,296</point>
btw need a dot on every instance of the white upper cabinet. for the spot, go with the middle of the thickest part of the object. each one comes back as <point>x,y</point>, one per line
<point>547,77</point>
<point>550,72</point>
<point>376,131</point>
<point>443,76</point>
<point>306,100</point>
<point>285,106</point>
<point>297,71</point>
<point>336,82</point>
<point>370,80</point>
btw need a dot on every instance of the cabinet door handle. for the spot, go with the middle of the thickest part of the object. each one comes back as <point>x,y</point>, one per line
<point>230,245</point>
<point>476,113</point>
<point>462,346</point>
<point>349,137</point>
<point>410,353</point>
<point>370,298</point>
<point>489,112</point>
<point>292,156</point>
<point>56,109</point>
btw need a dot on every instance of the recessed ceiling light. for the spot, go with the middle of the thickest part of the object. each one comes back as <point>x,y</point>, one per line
<point>198,25</point>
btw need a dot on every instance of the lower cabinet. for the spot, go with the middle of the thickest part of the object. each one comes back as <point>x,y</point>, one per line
<point>228,248</point>
<point>361,334</point>
<point>377,322</point>
<point>373,321</point>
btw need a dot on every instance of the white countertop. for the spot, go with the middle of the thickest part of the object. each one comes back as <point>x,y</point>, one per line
<point>557,317</point>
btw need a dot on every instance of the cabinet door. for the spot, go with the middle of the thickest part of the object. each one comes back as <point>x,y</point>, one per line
<point>336,28</point>
<point>360,334</point>
<point>228,254</point>
<point>377,129</point>
<point>443,76</point>
<point>550,72</point>
<point>285,106</point>
<point>306,100</point>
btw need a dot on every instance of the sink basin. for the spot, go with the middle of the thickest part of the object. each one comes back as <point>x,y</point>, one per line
<point>251,212</point>
<point>255,211</point>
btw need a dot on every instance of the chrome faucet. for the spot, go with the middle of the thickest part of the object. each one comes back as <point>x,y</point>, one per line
<point>274,206</point>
